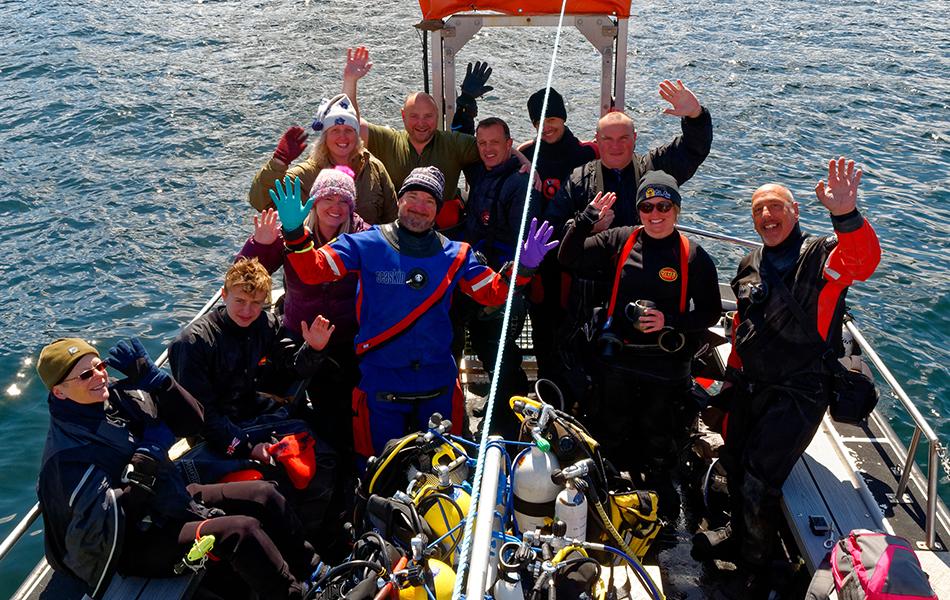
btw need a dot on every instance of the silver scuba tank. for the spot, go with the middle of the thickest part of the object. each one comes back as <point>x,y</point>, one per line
<point>571,507</point>
<point>534,492</point>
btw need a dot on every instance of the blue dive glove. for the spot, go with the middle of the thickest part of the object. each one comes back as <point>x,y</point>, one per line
<point>286,198</point>
<point>131,359</point>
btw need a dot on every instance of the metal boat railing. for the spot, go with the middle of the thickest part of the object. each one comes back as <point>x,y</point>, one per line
<point>921,427</point>
<point>30,517</point>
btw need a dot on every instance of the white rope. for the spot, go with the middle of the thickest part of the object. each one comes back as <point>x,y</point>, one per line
<point>466,548</point>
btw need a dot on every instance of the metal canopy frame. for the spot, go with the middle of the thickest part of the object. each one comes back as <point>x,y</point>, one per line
<point>606,33</point>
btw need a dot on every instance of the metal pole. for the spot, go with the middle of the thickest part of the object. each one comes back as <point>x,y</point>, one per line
<point>719,236</point>
<point>425,61</point>
<point>481,538</point>
<point>19,530</point>
<point>932,496</point>
<point>620,67</point>
<point>908,464</point>
<point>923,428</point>
<point>889,377</point>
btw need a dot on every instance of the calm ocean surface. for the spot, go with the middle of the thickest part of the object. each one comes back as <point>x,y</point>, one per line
<point>129,133</point>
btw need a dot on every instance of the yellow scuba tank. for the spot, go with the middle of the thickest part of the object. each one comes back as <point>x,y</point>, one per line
<point>443,515</point>
<point>443,578</point>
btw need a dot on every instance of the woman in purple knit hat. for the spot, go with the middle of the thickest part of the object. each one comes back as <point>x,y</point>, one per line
<point>333,214</point>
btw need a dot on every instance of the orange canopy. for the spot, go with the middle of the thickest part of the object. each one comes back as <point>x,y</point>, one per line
<point>439,9</point>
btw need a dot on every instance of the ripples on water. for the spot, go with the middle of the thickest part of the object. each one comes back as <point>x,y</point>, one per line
<point>129,132</point>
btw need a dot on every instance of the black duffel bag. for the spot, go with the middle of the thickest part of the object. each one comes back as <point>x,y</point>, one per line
<point>854,398</point>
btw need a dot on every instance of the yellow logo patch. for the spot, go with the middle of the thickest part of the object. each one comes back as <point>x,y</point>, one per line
<point>669,274</point>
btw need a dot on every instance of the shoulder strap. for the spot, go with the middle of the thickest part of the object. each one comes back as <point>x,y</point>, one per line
<point>597,172</point>
<point>796,309</point>
<point>621,259</point>
<point>684,270</point>
<point>406,322</point>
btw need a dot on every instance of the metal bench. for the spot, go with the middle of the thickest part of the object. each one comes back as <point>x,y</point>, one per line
<point>182,587</point>
<point>826,483</point>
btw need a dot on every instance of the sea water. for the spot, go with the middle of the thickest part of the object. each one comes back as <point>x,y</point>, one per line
<point>130,131</point>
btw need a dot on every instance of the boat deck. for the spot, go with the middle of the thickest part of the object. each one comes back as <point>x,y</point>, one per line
<point>848,475</point>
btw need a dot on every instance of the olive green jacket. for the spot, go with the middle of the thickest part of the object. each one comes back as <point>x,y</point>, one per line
<point>375,195</point>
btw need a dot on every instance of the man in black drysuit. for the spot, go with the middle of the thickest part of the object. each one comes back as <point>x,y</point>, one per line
<point>497,193</point>
<point>559,153</point>
<point>112,500</point>
<point>782,378</point>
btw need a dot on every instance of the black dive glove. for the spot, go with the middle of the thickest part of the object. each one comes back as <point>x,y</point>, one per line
<point>142,471</point>
<point>475,79</point>
<point>131,359</point>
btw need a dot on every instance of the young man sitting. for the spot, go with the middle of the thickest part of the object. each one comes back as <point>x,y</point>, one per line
<point>233,360</point>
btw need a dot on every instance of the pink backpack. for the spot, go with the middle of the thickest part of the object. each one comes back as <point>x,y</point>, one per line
<point>868,565</point>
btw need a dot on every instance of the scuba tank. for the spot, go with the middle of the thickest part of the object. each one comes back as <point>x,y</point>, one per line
<point>571,507</point>
<point>534,492</point>
<point>508,587</point>
<point>571,504</point>
<point>443,506</point>
<point>443,583</point>
<point>426,578</point>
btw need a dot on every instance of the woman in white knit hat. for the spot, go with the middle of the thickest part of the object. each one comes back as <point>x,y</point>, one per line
<point>339,144</point>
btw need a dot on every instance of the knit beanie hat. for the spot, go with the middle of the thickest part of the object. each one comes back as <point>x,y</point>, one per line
<point>555,105</point>
<point>58,358</point>
<point>338,180</point>
<point>338,110</point>
<point>427,179</point>
<point>658,184</point>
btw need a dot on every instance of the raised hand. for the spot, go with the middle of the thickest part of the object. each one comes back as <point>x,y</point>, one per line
<point>357,63</point>
<point>538,244</point>
<point>602,202</point>
<point>132,360</point>
<point>475,79</point>
<point>291,145</point>
<point>683,100</point>
<point>318,334</point>
<point>840,195</point>
<point>266,227</point>
<point>286,198</point>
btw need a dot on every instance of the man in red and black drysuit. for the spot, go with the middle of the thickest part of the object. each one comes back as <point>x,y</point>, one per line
<point>785,381</point>
<point>407,274</point>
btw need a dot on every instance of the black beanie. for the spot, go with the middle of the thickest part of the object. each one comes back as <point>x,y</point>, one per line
<point>658,184</point>
<point>555,105</point>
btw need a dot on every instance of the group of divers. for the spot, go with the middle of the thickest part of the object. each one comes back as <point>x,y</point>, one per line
<point>386,270</point>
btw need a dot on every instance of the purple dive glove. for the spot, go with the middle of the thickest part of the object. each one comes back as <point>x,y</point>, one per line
<point>537,244</point>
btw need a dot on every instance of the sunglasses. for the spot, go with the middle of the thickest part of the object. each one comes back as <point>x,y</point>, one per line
<point>88,373</point>
<point>647,207</point>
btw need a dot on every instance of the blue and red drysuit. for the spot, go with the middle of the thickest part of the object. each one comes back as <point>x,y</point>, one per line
<point>405,335</point>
